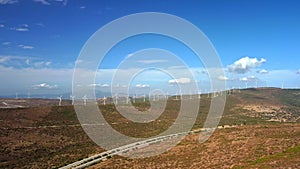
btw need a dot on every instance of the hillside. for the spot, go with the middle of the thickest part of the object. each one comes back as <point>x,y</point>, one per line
<point>42,135</point>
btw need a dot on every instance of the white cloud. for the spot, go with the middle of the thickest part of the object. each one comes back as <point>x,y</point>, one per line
<point>22,29</point>
<point>142,86</point>
<point>98,85</point>
<point>248,79</point>
<point>245,64</point>
<point>105,85</point>
<point>27,61</point>
<point>41,64</point>
<point>44,2</point>
<point>40,24</point>
<point>151,61</point>
<point>223,78</point>
<point>44,86</point>
<point>298,72</point>
<point>94,85</point>
<point>29,78</point>
<point>244,79</point>
<point>64,2</point>
<point>180,81</point>
<point>263,71</point>
<point>26,46</point>
<point>4,59</point>
<point>2,26</point>
<point>25,25</point>
<point>6,43</point>
<point>82,7</point>
<point>4,2</point>
<point>23,62</point>
<point>47,2</point>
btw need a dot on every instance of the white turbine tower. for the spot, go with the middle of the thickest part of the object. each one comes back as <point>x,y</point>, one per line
<point>104,100</point>
<point>256,83</point>
<point>127,99</point>
<point>214,92</point>
<point>84,100</point>
<point>133,98</point>
<point>60,99</point>
<point>116,97</point>
<point>144,97</point>
<point>73,99</point>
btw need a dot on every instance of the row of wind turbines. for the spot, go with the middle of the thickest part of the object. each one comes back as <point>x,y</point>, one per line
<point>119,99</point>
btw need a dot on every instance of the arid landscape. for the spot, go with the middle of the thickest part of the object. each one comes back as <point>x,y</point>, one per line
<point>149,84</point>
<point>266,134</point>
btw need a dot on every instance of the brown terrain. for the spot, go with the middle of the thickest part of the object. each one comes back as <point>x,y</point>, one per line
<point>36,133</point>
<point>254,146</point>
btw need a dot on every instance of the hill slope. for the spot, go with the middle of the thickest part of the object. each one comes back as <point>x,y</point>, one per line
<point>44,137</point>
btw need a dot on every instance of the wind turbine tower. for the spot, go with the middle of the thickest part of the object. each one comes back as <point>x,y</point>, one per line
<point>104,100</point>
<point>84,100</point>
<point>72,98</point>
<point>116,96</point>
<point>59,103</point>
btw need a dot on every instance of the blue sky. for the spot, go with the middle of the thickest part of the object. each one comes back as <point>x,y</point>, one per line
<point>40,41</point>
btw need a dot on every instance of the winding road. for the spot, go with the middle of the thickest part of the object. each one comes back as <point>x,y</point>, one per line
<point>127,148</point>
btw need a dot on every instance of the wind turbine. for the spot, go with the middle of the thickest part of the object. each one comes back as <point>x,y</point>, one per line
<point>144,97</point>
<point>116,96</point>
<point>133,98</point>
<point>256,84</point>
<point>84,99</point>
<point>72,98</point>
<point>104,100</point>
<point>127,99</point>
<point>282,84</point>
<point>214,94</point>
<point>153,99</point>
<point>59,103</point>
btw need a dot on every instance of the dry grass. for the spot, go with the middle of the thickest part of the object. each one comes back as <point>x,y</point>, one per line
<point>258,146</point>
<point>46,137</point>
